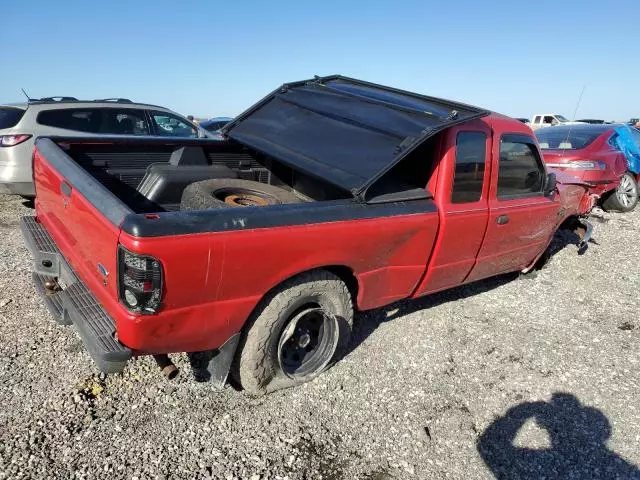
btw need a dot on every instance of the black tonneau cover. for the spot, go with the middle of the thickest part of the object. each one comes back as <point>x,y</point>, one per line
<point>345,131</point>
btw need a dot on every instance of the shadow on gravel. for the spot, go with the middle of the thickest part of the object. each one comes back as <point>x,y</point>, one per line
<point>577,449</point>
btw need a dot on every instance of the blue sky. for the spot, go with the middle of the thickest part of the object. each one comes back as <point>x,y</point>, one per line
<point>211,58</point>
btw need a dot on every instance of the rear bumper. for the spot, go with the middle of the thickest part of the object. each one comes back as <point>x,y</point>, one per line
<point>16,177</point>
<point>73,304</point>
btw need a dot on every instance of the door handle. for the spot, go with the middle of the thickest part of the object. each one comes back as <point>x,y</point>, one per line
<point>502,219</point>
<point>65,188</point>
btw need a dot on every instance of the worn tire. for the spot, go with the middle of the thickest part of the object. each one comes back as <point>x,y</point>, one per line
<point>216,193</point>
<point>613,202</point>
<point>256,367</point>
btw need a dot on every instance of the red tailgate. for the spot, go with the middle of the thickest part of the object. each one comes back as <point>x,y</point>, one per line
<point>87,237</point>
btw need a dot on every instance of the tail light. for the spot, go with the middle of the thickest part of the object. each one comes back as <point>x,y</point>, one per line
<point>13,140</point>
<point>581,165</point>
<point>139,281</point>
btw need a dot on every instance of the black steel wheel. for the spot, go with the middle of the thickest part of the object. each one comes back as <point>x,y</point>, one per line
<point>295,333</point>
<point>308,342</point>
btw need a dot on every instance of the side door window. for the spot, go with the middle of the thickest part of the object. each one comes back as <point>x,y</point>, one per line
<point>549,120</point>
<point>168,125</point>
<point>537,120</point>
<point>468,178</point>
<point>117,121</point>
<point>520,169</point>
<point>78,119</point>
<point>613,141</point>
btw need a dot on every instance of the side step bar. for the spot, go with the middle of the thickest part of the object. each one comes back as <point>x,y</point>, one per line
<point>74,304</point>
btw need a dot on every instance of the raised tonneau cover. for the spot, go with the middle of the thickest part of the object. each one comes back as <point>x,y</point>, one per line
<point>345,131</point>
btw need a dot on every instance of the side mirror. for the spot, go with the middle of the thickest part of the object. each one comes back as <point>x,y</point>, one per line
<point>550,183</point>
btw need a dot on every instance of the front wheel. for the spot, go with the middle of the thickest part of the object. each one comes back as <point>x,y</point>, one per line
<point>296,332</point>
<point>625,197</point>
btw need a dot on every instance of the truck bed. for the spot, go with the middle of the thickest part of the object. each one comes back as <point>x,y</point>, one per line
<point>131,170</point>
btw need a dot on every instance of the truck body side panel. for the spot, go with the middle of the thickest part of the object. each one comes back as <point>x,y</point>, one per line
<point>205,306</point>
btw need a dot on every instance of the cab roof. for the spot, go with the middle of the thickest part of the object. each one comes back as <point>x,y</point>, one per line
<point>345,131</point>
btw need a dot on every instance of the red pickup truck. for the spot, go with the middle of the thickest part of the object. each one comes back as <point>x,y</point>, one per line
<point>328,196</point>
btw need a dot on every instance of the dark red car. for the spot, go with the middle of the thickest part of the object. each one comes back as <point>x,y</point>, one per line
<point>590,153</point>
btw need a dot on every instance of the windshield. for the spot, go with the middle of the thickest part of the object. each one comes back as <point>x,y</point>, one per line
<point>9,117</point>
<point>561,118</point>
<point>214,126</point>
<point>565,139</point>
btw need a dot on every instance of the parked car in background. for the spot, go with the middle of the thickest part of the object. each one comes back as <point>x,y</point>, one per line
<point>22,123</point>
<point>591,153</point>
<point>214,125</point>
<point>523,120</point>
<point>550,120</point>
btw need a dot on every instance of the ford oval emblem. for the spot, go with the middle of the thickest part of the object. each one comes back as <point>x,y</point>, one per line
<point>103,271</point>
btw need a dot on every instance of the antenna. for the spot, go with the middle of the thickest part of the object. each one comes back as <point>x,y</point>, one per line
<point>578,104</point>
<point>25,94</point>
<point>575,112</point>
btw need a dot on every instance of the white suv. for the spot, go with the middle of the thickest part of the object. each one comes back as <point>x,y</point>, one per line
<point>22,123</point>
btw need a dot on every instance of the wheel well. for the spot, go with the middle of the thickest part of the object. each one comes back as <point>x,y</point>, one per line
<point>344,273</point>
<point>347,276</point>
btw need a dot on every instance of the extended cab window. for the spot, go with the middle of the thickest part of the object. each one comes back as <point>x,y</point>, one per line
<point>469,172</point>
<point>520,171</point>
<point>168,125</point>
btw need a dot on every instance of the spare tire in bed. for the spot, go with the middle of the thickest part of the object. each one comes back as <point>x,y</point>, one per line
<point>226,192</point>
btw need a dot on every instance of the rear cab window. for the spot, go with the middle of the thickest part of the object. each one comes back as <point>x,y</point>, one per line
<point>520,170</point>
<point>9,116</point>
<point>470,158</point>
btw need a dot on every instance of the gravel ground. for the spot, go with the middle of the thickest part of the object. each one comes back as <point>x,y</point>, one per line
<point>508,378</point>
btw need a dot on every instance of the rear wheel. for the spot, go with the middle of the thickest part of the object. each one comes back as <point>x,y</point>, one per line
<point>625,197</point>
<point>296,333</point>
